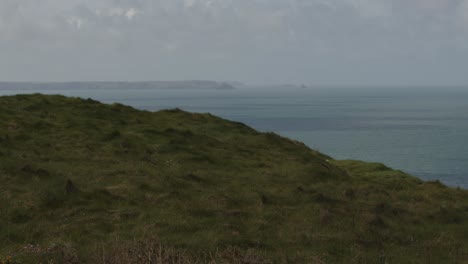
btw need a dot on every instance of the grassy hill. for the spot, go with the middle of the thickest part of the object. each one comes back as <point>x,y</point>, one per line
<point>85,182</point>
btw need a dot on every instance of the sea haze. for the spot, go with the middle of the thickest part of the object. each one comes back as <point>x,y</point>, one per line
<point>420,131</point>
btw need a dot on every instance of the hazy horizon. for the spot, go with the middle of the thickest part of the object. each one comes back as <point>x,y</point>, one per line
<point>238,84</point>
<point>381,43</point>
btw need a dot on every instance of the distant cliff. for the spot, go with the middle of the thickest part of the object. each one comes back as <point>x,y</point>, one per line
<point>168,85</point>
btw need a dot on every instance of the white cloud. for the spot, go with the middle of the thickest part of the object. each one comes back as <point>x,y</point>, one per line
<point>128,13</point>
<point>189,3</point>
<point>131,13</point>
<point>76,22</point>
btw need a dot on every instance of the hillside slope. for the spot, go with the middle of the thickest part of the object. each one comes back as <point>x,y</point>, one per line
<point>83,181</point>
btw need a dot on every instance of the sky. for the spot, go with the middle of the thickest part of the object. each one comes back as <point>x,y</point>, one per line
<point>312,42</point>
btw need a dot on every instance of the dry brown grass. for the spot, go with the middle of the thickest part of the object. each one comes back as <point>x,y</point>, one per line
<point>151,251</point>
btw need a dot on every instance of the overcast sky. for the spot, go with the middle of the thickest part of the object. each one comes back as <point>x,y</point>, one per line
<point>332,42</point>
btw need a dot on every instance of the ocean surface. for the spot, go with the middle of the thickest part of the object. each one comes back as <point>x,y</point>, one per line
<point>420,131</point>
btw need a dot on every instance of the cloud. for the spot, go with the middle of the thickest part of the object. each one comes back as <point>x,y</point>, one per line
<point>189,3</point>
<point>372,8</point>
<point>75,22</point>
<point>131,13</point>
<point>464,13</point>
<point>433,4</point>
<point>249,40</point>
<point>128,13</point>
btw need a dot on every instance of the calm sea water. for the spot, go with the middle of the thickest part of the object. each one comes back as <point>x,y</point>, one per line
<point>422,132</point>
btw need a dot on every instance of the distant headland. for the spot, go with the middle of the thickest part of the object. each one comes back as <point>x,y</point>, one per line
<point>162,85</point>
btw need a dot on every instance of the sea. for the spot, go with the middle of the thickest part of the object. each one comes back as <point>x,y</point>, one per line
<point>422,131</point>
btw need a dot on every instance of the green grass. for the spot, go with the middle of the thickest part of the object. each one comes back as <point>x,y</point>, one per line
<point>204,186</point>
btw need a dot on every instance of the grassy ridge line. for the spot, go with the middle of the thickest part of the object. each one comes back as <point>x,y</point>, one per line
<point>200,184</point>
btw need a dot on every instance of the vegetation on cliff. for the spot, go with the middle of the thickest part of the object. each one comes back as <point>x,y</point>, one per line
<point>82,181</point>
